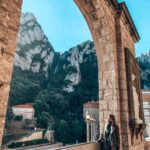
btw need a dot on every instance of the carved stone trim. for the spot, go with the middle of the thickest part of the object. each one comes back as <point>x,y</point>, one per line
<point>133,31</point>
<point>132,66</point>
<point>131,63</point>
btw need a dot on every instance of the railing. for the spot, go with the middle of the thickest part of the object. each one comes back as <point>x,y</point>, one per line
<point>58,146</point>
<point>84,146</point>
<point>40,147</point>
<point>147,145</point>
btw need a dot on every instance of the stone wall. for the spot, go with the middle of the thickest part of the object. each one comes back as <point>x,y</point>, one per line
<point>125,39</point>
<point>84,146</point>
<point>113,30</point>
<point>9,24</point>
<point>100,16</point>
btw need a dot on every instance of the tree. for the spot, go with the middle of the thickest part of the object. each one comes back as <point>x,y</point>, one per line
<point>23,91</point>
<point>18,118</point>
<point>9,116</point>
<point>77,129</point>
<point>63,132</point>
<point>44,119</point>
<point>40,106</point>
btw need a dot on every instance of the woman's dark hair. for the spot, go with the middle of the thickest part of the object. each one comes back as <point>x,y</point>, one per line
<point>112,117</point>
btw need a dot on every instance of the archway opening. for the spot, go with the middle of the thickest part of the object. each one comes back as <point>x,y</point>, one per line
<point>49,87</point>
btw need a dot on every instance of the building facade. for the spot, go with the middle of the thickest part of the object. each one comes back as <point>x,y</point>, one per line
<point>146,107</point>
<point>27,111</point>
<point>91,109</point>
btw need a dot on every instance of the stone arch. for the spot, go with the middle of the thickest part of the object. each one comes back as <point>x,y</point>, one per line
<point>102,26</point>
<point>112,29</point>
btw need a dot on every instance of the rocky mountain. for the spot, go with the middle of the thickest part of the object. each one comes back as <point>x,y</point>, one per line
<point>36,55</point>
<point>71,63</point>
<point>144,63</point>
<point>34,52</point>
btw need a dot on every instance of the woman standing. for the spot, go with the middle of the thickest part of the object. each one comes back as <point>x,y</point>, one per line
<point>111,139</point>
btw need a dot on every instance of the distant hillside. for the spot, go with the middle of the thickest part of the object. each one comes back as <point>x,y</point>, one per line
<point>144,63</point>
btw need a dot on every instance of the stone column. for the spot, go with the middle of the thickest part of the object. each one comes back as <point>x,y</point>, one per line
<point>87,131</point>
<point>92,134</point>
<point>100,16</point>
<point>10,11</point>
<point>93,130</point>
<point>125,39</point>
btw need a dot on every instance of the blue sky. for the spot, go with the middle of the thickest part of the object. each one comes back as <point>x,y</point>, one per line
<point>65,26</point>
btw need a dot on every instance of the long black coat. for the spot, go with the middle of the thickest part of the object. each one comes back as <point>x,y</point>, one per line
<point>111,138</point>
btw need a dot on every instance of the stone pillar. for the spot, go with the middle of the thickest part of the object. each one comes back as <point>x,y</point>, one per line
<point>92,133</point>
<point>87,131</point>
<point>113,30</point>
<point>100,17</point>
<point>10,11</point>
<point>126,36</point>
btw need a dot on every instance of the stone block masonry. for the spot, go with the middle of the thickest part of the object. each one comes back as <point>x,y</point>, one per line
<point>10,11</point>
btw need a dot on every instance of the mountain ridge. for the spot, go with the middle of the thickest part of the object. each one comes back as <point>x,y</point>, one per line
<point>35,54</point>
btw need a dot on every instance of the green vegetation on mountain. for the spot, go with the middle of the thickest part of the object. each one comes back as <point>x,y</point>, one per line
<point>52,104</point>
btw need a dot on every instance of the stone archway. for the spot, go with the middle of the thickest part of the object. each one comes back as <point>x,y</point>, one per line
<point>112,29</point>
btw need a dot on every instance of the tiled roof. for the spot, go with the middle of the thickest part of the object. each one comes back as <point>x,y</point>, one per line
<point>146,95</point>
<point>24,106</point>
<point>91,105</point>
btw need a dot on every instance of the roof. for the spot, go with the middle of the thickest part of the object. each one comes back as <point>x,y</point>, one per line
<point>146,95</point>
<point>146,91</point>
<point>91,105</point>
<point>24,106</point>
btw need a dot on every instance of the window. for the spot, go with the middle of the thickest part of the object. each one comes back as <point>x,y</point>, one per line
<point>147,119</point>
<point>146,113</point>
<point>146,104</point>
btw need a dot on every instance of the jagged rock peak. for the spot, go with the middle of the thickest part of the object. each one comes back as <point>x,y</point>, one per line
<point>144,57</point>
<point>72,60</point>
<point>144,64</point>
<point>34,52</point>
<point>27,17</point>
